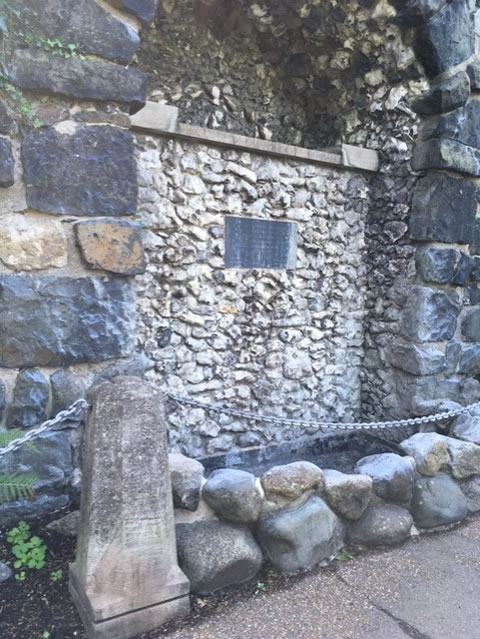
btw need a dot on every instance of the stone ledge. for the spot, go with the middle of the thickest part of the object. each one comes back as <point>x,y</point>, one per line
<point>161,119</point>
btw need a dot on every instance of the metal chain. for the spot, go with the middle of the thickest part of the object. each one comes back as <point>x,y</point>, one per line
<point>286,421</point>
<point>74,413</point>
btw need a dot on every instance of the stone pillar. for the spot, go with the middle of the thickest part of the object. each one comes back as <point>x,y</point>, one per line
<point>126,579</point>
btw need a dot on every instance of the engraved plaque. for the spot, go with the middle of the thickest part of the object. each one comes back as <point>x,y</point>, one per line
<point>253,243</point>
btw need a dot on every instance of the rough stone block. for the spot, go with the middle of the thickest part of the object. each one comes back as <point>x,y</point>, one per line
<point>31,243</point>
<point>381,525</point>
<point>7,163</point>
<point>416,359</point>
<point>3,399</point>
<point>443,210</point>
<point>30,400</point>
<point>82,22</point>
<point>214,554</point>
<point>186,475</point>
<point>70,320</point>
<point>392,476</point>
<point>473,71</point>
<point>66,389</point>
<point>464,457</point>
<point>461,125</point>
<point>467,427</point>
<point>12,512</point>
<point>469,362</point>
<point>429,315</point>
<point>347,495</point>
<point>437,501</point>
<point>448,155</point>
<point>429,452</point>
<point>471,325</point>
<point>233,495</point>
<point>80,170</point>
<point>471,489</point>
<point>295,540</point>
<point>288,482</point>
<point>67,525</point>
<point>112,245</point>
<point>443,266</point>
<point>447,39</point>
<point>144,10</point>
<point>77,78</point>
<point>6,121</point>
<point>412,11</point>
<point>450,94</point>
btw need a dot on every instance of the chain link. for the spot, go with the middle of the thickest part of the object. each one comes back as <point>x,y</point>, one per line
<point>74,414</point>
<point>286,421</point>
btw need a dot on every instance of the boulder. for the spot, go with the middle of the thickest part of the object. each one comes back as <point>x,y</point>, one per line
<point>437,501</point>
<point>469,361</point>
<point>233,495</point>
<point>392,476</point>
<point>66,388</point>
<point>67,525</point>
<point>471,489</point>
<point>5,572</point>
<point>30,400</point>
<point>347,495</point>
<point>429,452</point>
<point>295,540</point>
<point>7,163</point>
<point>471,325</point>
<point>381,525</point>
<point>464,457</point>
<point>12,512</point>
<point>186,475</point>
<point>144,10</point>
<point>288,482</point>
<point>467,428</point>
<point>214,554</point>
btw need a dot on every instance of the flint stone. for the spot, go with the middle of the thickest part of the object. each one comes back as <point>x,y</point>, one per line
<point>443,210</point>
<point>471,489</point>
<point>66,389</point>
<point>77,78</point>
<point>7,163</point>
<point>464,457</point>
<point>290,481</point>
<point>112,245</point>
<point>89,170</point>
<point>475,243</point>
<point>30,400</point>
<point>473,71</point>
<point>233,495</point>
<point>447,39</point>
<point>446,154</point>
<point>295,540</point>
<point>186,475</point>
<point>214,554</point>
<point>443,266</point>
<point>347,495</point>
<point>429,315</point>
<point>69,320</point>
<point>5,572</point>
<point>84,23</point>
<point>475,272</point>
<point>471,326</point>
<point>6,121</point>
<point>144,10</point>
<point>448,95</point>
<point>429,452</point>
<point>417,360</point>
<point>12,512</point>
<point>392,476</point>
<point>469,363</point>
<point>467,428</point>
<point>67,525</point>
<point>381,525</point>
<point>437,501</point>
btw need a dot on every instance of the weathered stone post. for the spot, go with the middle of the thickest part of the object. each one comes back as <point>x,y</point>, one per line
<point>125,579</point>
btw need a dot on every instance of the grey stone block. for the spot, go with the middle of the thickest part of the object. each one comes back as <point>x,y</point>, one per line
<point>448,155</point>
<point>429,315</point>
<point>412,11</point>
<point>295,540</point>
<point>233,495</point>
<point>443,210</point>
<point>134,366</point>
<point>144,10</point>
<point>443,266</point>
<point>469,363</point>
<point>467,428</point>
<point>77,78</point>
<point>12,512</point>
<point>381,525</point>
<point>70,320</point>
<point>450,94</point>
<point>473,71</point>
<point>437,501</point>
<point>186,475</point>
<point>461,125</point>
<point>475,271</point>
<point>392,476</point>
<point>348,495</point>
<point>90,170</point>
<point>3,399</point>
<point>7,163</point>
<point>464,457</point>
<point>6,121</point>
<point>66,389</point>
<point>429,451</point>
<point>67,525</point>
<point>416,359</point>
<point>214,554</point>
<point>30,400</point>
<point>470,325</point>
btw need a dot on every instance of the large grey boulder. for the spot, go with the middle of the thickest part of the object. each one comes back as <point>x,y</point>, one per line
<point>233,495</point>
<point>298,539</point>
<point>381,525</point>
<point>215,554</point>
<point>467,428</point>
<point>464,457</point>
<point>392,476</point>
<point>429,451</point>
<point>289,481</point>
<point>471,489</point>
<point>347,495</point>
<point>186,475</point>
<point>437,501</point>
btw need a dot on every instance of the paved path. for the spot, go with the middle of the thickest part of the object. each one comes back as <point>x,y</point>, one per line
<point>428,589</point>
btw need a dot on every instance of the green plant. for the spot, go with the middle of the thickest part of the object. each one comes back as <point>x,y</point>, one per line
<point>16,485</point>
<point>45,634</point>
<point>343,555</point>
<point>261,587</point>
<point>21,576</point>
<point>56,575</point>
<point>56,46</point>
<point>29,550</point>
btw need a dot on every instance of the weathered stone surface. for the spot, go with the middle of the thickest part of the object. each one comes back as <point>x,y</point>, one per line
<point>214,554</point>
<point>7,163</point>
<point>461,125</point>
<point>134,366</point>
<point>6,121</point>
<point>414,10</point>
<point>471,326</point>
<point>233,495</point>
<point>429,451</point>
<point>347,495</point>
<point>5,572</point>
<point>471,489</point>
<point>467,427</point>
<point>469,362</point>
<point>443,266</point>
<point>447,39</point>
<point>30,400</point>
<point>443,210</point>
<point>381,525</point>
<point>450,94</point>
<point>429,315</point>
<point>84,23</point>
<point>74,77</point>
<point>290,481</point>
<point>3,399</point>
<point>112,245</point>
<point>416,359</point>
<point>392,476</point>
<point>295,540</point>
<point>464,457</point>
<point>126,511</point>
<point>69,320</point>
<point>446,154</point>
<point>66,388</point>
<point>30,243</point>
<point>144,10</point>
<point>473,71</point>
<point>12,512</point>
<point>80,170</point>
<point>437,501</point>
<point>186,475</point>
<point>67,525</point>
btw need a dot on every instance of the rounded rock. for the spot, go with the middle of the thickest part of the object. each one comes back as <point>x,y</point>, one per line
<point>437,501</point>
<point>186,475</point>
<point>392,476</point>
<point>381,525</point>
<point>233,495</point>
<point>290,481</point>
<point>347,495</point>
<point>428,450</point>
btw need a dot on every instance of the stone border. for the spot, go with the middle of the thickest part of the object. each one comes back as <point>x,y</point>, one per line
<point>162,119</point>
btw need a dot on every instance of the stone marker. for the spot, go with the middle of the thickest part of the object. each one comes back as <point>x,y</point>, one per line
<point>126,579</point>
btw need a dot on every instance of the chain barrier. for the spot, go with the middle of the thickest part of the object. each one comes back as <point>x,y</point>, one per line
<point>74,415</point>
<point>286,421</point>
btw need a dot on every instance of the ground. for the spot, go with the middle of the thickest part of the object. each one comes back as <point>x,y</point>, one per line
<point>426,589</point>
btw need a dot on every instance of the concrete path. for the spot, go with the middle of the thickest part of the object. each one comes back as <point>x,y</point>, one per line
<point>426,589</point>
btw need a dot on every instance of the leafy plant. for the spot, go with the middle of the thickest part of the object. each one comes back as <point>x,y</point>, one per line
<point>261,587</point>
<point>21,576</point>
<point>343,555</point>
<point>56,46</point>
<point>46,634</point>
<point>29,550</point>
<point>17,486</point>
<point>56,575</point>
